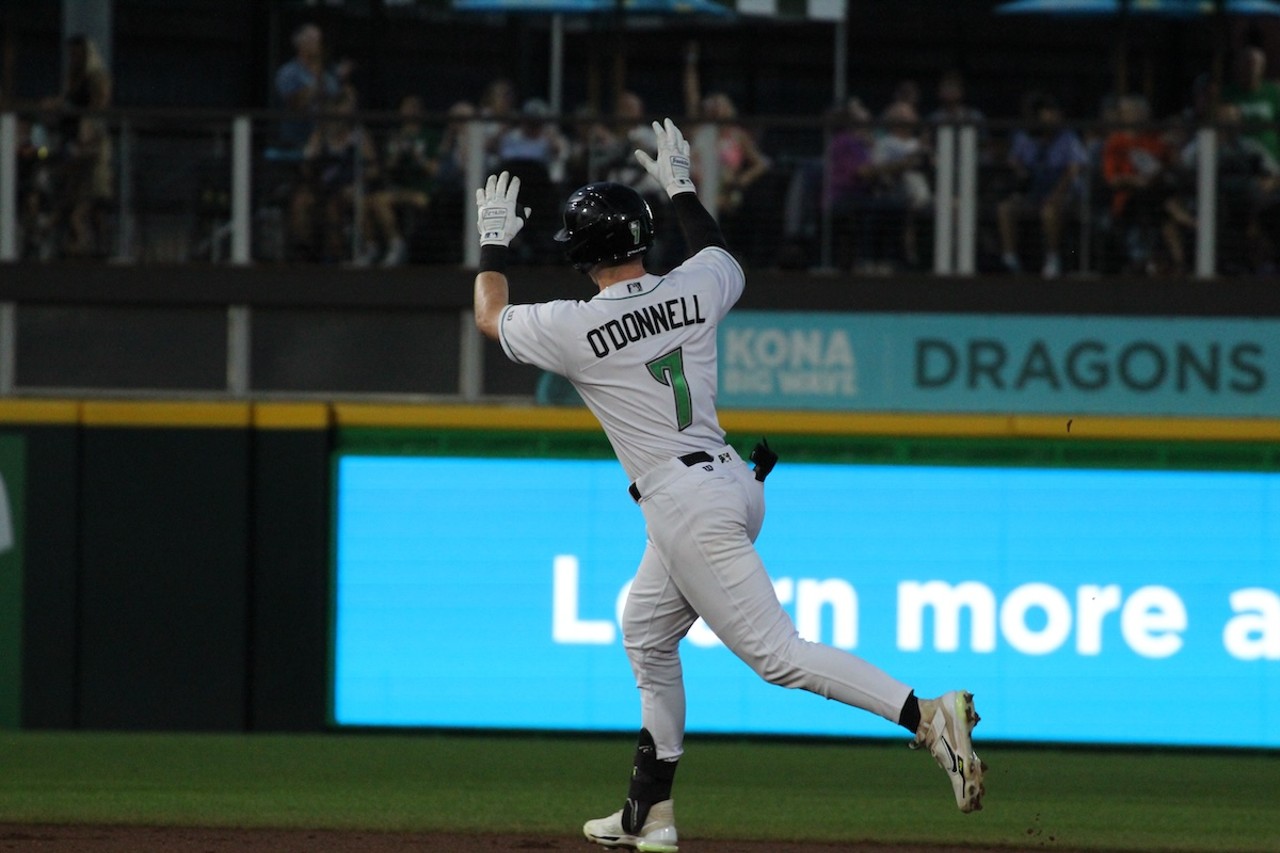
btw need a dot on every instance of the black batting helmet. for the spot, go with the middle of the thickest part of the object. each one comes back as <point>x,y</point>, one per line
<point>605,222</point>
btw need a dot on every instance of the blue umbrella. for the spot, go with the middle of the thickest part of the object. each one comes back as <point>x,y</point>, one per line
<point>595,7</point>
<point>1126,10</point>
<point>1157,8</point>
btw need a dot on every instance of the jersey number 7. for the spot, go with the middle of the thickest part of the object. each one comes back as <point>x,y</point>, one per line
<point>669,370</point>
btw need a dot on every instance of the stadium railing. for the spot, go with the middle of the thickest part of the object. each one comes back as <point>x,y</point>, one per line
<point>220,188</point>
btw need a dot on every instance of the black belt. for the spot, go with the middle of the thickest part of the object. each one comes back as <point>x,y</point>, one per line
<point>689,459</point>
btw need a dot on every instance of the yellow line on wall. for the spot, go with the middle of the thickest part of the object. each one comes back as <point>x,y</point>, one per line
<point>164,413</point>
<point>292,415</point>
<point>287,415</point>
<point>465,417</point>
<point>50,412</point>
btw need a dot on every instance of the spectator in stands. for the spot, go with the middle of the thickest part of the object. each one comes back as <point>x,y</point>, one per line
<point>628,133</point>
<point>901,157</point>
<point>1202,103</point>
<point>1248,195</point>
<point>906,91</point>
<point>453,195</point>
<point>604,149</point>
<point>741,162</point>
<point>37,203</point>
<point>304,86</point>
<point>1257,97</point>
<point>84,176</point>
<point>591,146</point>
<point>534,137</point>
<point>725,157</point>
<point>343,185</point>
<point>1135,168</point>
<point>411,164</point>
<point>1048,162</point>
<point>954,109</point>
<point>498,109</point>
<point>951,101</point>
<point>534,150</point>
<point>454,150</point>
<point>867,218</point>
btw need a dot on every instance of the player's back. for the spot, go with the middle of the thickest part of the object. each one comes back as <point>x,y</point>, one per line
<point>642,354</point>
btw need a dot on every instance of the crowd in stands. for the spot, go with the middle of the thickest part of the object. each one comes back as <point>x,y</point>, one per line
<point>1119,186</point>
<point>65,175</point>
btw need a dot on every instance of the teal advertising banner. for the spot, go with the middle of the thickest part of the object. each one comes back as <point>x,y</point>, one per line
<point>1062,597</point>
<point>12,486</point>
<point>1006,364</point>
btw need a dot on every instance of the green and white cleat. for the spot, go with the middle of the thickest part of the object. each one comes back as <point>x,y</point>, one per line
<point>658,835</point>
<point>945,727</point>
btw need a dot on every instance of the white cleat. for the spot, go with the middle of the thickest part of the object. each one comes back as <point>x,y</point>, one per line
<point>658,835</point>
<point>945,726</point>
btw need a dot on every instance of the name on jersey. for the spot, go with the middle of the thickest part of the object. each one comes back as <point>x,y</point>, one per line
<point>645,321</point>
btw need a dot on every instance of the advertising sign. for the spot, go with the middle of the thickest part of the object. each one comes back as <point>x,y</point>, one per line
<point>978,363</point>
<point>486,592</point>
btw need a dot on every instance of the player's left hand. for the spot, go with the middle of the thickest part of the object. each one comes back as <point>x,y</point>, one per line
<point>671,167</point>
<point>496,217</point>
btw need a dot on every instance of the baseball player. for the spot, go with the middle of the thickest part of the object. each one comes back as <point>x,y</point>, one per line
<point>642,353</point>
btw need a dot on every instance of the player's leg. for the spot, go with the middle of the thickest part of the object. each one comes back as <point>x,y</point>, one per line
<point>654,620</point>
<point>707,536</point>
<point>656,617</point>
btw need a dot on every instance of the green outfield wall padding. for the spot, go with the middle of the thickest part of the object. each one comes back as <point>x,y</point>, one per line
<point>12,535</point>
<point>176,559</point>
<point>163,603</point>
<point>51,561</point>
<point>289,594</point>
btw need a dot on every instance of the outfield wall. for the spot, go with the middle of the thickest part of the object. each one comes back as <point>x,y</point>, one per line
<point>176,557</point>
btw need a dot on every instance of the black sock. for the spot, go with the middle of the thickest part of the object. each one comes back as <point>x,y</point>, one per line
<point>650,783</point>
<point>909,719</point>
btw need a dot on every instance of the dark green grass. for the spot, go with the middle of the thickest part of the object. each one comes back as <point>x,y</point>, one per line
<point>1037,798</point>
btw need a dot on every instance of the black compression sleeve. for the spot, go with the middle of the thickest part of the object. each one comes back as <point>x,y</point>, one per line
<point>696,222</point>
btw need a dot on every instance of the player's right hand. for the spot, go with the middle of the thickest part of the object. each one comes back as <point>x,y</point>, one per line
<point>496,218</point>
<point>671,168</point>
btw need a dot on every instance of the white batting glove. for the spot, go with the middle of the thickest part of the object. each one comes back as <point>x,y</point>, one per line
<point>671,168</point>
<point>496,217</point>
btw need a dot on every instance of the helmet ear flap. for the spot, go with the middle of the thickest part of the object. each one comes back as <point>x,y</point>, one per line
<point>605,222</point>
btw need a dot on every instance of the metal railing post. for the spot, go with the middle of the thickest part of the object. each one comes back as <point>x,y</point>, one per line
<point>125,218</point>
<point>238,350</point>
<point>967,202</point>
<point>241,188</point>
<point>473,170</point>
<point>943,200</point>
<point>1206,202</point>
<point>8,187</point>
<point>470,358</point>
<point>8,347</point>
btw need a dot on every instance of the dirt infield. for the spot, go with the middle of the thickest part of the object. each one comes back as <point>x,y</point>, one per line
<point>136,839</point>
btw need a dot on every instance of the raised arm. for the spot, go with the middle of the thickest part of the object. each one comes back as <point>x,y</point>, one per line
<point>498,223</point>
<point>671,170</point>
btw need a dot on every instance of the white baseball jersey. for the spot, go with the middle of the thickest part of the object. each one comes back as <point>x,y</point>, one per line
<point>642,353</point>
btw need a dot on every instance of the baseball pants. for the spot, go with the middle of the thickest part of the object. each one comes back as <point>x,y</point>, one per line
<point>700,560</point>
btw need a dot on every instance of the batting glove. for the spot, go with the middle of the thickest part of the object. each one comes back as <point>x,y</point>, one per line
<point>496,217</point>
<point>671,168</point>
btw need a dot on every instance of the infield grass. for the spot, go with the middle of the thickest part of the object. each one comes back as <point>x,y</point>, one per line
<point>743,789</point>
